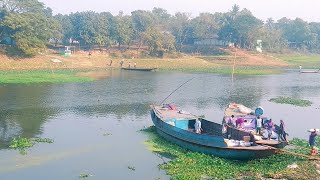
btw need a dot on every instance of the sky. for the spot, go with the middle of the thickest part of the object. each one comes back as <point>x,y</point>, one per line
<point>308,10</point>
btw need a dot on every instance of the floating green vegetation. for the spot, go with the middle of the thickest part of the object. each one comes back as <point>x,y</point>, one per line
<point>107,134</point>
<point>84,175</point>
<point>44,140</point>
<point>132,168</point>
<point>22,144</point>
<point>41,76</point>
<point>192,165</point>
<point>293,101</point>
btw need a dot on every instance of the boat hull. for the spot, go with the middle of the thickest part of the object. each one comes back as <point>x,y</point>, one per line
<point>211,145</point>
<point>139,69</point>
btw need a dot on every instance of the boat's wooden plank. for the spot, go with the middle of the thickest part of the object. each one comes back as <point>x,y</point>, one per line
<point>270,142</point>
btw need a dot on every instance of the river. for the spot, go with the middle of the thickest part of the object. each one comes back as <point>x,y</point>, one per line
<point>96,126</point>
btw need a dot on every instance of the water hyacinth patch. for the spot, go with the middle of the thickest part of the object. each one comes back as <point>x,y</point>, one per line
<point>292,101</point>
<point>44,140</point>
<point>192,165</point>
<point>84,175</point>
<point>22,144</point>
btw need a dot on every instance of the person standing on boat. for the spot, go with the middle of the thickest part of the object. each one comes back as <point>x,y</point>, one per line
<point>230,122</point>
<point>282,132</point>
<point>232,119</point>
<point>258,125</point>
<point>269,127</point>
<point>197,126</point>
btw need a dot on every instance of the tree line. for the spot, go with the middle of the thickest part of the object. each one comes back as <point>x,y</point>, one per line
<point>28,25</point>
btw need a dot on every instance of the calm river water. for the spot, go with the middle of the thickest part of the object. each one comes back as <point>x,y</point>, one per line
<point>95,126</point>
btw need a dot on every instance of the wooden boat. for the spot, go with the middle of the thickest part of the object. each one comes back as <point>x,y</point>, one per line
<point>177,127</point>
<point>247,114</point>
<point>139,69</point>
<point>310,71</point>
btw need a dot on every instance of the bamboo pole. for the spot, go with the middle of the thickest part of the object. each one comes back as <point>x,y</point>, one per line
<point>294,153</point>
<point>234,63</point>
<point>301,155</point>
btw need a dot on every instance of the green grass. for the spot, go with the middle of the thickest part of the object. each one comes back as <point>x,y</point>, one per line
<point>40,76</point>
<point>191,165</point>
<point>306,61</point>
<point>241,70</point>
<point>292,101</point>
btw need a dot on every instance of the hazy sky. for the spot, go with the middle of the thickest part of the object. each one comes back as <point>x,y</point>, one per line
<point>262,9</point>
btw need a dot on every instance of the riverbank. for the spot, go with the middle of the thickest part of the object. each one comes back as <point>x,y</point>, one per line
<point>240,62</point>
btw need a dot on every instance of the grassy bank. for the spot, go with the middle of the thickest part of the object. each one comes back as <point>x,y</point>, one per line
<point>41,76</point>
<point>191,165</point>
<point>245,63</point>
<point>306,61</point>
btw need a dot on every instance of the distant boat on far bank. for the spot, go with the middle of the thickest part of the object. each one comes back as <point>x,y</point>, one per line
<point>310,71</point>
<point>139,69</point>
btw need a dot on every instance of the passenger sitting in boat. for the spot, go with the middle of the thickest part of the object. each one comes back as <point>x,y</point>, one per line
<point>239,122</point>
<point>258,125</point>
<point>225,130</point>
<point>197,126</point>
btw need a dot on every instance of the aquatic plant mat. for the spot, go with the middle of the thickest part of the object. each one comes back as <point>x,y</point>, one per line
<point>292,101</point>
<point>185,164</point>
<point>22,144</point>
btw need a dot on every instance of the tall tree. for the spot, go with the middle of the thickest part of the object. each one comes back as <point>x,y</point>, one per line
<point>122,30</point>
<point>29,23</point>
<point>204,26</point>
<point>158,42</point>
<point>180,27</point>
<point>238,26</point>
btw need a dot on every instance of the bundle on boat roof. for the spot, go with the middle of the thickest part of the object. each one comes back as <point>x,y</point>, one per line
<point>237,110</point>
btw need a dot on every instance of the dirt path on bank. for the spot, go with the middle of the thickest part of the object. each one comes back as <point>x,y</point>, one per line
<point>250,58</point>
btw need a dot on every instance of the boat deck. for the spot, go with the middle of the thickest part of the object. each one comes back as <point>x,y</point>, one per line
<point>169,114</point>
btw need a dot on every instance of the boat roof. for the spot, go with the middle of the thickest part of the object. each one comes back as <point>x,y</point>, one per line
<point>167,114</point>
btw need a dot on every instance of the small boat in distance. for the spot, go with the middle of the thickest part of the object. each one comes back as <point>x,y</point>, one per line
<point>139,69</point>
<point>178,127</point>
<point>310,71</point>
